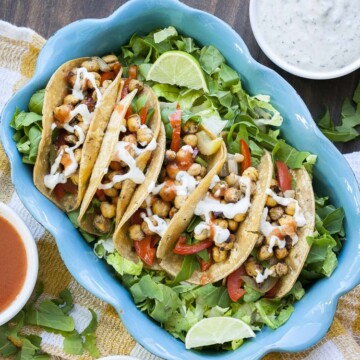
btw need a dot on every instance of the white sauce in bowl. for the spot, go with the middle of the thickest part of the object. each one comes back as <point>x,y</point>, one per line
<point>314,35</point>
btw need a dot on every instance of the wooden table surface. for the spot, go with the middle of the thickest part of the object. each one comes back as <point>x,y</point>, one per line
<point>47,16</point>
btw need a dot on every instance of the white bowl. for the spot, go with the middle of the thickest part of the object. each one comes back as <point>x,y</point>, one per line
<point>279,61</point>
<point>32,263</point>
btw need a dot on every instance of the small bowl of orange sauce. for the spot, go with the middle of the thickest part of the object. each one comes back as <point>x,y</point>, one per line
<point>18,263</point>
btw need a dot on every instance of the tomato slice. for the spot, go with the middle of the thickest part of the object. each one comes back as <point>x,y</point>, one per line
<point>133,70</point>
<point>61,189</point>
<point>100,195</point>
<point>143,115</point>
<point>145,251</point>
<point>234,283</point>
<point>182,248</point>
<point>136,218</point>
<point>245,151</point>
<point>175,121</point>
<point>116,68</point>
<point>204,265</point>
<point>110,75</point>
<point>284,176</point>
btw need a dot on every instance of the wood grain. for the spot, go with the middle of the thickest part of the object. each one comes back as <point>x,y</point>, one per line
<point>47,16</point>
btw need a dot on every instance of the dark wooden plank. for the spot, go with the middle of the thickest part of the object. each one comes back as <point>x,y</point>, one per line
<point>47,16</point>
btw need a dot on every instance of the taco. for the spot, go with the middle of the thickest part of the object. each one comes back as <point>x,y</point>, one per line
<point>219,235</point>
<point>192,158</point>
<point>79,99</point>
<point>130,146</point>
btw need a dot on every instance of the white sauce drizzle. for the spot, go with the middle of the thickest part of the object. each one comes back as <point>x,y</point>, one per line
<point>188,183</point>
<point>82,110</point>
<point>214,181</point>
<point>275,241</point>
<point>260,278</point>
<point>220,234</point>
<point>81,76</point>
<point>55,177</point>
<point>161,226</point>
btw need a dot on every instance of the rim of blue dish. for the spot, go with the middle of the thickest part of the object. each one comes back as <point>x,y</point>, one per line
<point>314,313</point>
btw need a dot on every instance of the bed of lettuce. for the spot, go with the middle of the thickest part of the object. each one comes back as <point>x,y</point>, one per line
<point>228,109</point>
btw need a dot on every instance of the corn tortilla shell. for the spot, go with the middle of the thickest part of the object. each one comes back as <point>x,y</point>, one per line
<point>55,92</point>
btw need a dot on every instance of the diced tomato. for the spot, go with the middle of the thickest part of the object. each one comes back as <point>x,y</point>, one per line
<point>61,189</point>
<point>110,75</point>
<point>125,89</point>
<point>100,195</point>
<point>245,151</point>
<point>133,70</point>
<point>175,121</point>
<point>136,218</point>
<point>128,111</point>
<point>145,251</point>
<point>284,176</point>
<point>154,240</point>
<point>182,248</point>
<point>143,115</point>
<point>116,68</point>
<point>271,293</point>
<point>204,265</point>
<point>234,283</point>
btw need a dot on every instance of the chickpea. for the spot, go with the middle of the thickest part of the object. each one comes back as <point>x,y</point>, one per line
<point>90,85</point>
<point>203,235</point>
<point>190,127</point>
<point>232,195</point>
<point>105,85</point>
<point>75,178</point>
<point>77,155</point>
<point>172,169</point>
<point>270,202</point>
<point>219,189</point>
<point>233,225</point>
<point>223,223</point>
<point>286,219</point>
<point>281,253</point>
<point>71,99</point>
<point>276,213</point>
<point>228,244</point>
<point>238,158</point>
<point>168,191</point>
<point>251,173</point>
<point>290,209</point>
<point>144,135</point>
<point>107,210</point>
<point>133,123</point>
<point>90,65</point>
<point>131,139</point>
<point>203,171</point>
<point>135,233</point>
<point>218,254</point>
<point>136,84</point>
<point>170,155</point>
<point>145,226</point>
<point>102,224</point>
<point>184,158</point>
<point>232,180</point>
<point>252,267</point>
<point>62,114</point>
<point>161,208</point>
<point>194,169</point>
<point>110,58</point>
<point>259,240</point>
<point>179,201</point>
<point>71,77</point>
<point>240,217</point>
<point>279,270</point>
<point>71,139</point>
<point>111,192</point>
<point>274,183</point>
<point>111,175</point>
<point>191,140</point>
<point>264,253</point>
<point>172,212</point>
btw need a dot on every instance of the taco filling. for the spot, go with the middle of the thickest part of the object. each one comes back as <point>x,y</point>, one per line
<point>86,86</point>
<point>184,167</point>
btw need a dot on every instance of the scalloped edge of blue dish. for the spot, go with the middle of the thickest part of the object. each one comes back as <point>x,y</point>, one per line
<point>314,313</point>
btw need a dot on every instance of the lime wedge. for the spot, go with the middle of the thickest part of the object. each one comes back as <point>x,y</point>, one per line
<point>217,330</point>
<point>178,68</point>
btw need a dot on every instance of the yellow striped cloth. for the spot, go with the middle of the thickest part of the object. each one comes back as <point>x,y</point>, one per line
<point>19,48</point>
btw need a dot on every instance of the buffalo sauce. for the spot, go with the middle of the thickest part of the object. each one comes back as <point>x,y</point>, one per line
<point>13,263</point>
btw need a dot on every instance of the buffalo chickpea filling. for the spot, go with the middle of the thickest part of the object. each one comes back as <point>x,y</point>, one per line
<point>134,139</point>
<point>179,177</point>
<point>86,86</point>
<point>281,218</point>
<point>219,216</point>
